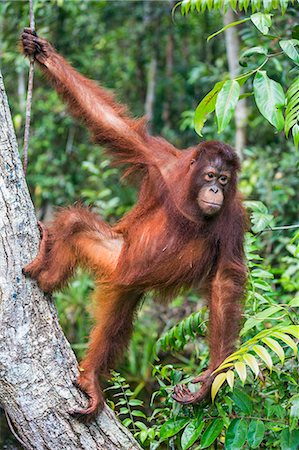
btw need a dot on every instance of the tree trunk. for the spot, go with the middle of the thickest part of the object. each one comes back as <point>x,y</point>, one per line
<point>232,51</point>
<point>37,365</point>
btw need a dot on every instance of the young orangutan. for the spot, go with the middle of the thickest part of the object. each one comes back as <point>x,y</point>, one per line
<point>186,230</point>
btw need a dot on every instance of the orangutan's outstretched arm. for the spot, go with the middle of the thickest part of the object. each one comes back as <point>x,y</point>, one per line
<point>108,120</point>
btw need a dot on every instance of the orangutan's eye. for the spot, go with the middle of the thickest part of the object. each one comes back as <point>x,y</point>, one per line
<point>223,180</point>
<point>209,176</point>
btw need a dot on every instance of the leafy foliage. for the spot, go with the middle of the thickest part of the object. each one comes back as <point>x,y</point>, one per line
<point>254,5</point>
<point>268,93</point>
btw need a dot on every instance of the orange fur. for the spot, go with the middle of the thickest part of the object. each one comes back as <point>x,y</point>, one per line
<point>166,243</point>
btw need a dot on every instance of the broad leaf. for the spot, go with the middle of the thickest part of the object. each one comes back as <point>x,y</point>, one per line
<point>230,377</point>
<point>172,427</point>
<point>285,338</point>
<point>294,412</point>
<point>192,432</point>
<point>270,99</point>
<point>211,433</point>
<point>264,355</point>
<point>226,103</point>
<point>217,383</point>
<point>256,433</point>
<point>206,106</point>
<point>262,22</point>
<point>276,347</point>
<point>289,439</point>
<point>236,435</point>
<point>241,371</point>
<point>242,401</point>
<point>252,363</point>
<point>289,47</point>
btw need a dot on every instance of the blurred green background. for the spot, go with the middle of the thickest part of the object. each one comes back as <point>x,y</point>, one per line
<point>161,64</point>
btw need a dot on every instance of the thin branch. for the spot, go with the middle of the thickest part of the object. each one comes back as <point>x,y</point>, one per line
<point>29,96</point>
<point>283,227</point>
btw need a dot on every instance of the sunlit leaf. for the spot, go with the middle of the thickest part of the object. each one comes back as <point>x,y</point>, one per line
<point>295,303</point>
<point>294,412</point>
<point>241,371</point>
<point>289,46</point>
<point>252,363</point>
<point>205,107</point>
<point>217,383</point>
<point>264,355</point>
<point>192,432</point>
<point>226,103</point>
<point>276,347</point>
<point>285,338</point>
<point>230,378</point>
<point>292,108</point>
<point>262,22</point>
<point>270,98</point>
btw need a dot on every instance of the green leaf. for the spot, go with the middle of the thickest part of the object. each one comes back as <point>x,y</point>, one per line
<point>217,383</point>
<point>242,400</point>
<point>256,433</point>
<point>270,98</point>
<point>172,427</point>
<point>294,302</point>
<point>191,433</point>
<point>292,108</point>
<point>135,402</point>
<point>205,107</point>
<point>127,422</point>
<point>295,133</point>
<point>230,377</point>
<point>226,103</point>
<point>252,363</point>
<point>236,435</point>
<point>137,413</point>
<point>264,355</point>
<point>256,206</point>
<point>276,347</point>
<point>294,412</point>
<point>289,47</point>
<point>285,338</point>
<point>262,22</point>
<point>289,439</point>
<point>253,51</point>
<point>253,321</point>
<point>211,433</point>
<point>241,370</point>
<point>292,329</point>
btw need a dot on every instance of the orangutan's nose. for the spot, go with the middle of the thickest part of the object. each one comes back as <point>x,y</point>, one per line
<point>214,189</point>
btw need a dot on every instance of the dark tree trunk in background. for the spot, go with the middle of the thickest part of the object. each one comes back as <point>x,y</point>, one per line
<point>37,365</point>
<point>232,51</point>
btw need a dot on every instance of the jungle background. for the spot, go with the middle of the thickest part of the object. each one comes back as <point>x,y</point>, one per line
<point>160,63</point>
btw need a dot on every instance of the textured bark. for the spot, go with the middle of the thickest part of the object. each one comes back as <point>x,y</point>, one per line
<point>37,365</point>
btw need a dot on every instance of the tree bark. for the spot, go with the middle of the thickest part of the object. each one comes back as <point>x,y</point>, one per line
<point>232,52</point>
<point>37,365</point>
